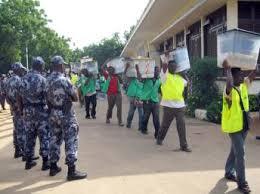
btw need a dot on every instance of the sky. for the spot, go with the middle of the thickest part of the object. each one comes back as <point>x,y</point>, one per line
<point>89,21</point>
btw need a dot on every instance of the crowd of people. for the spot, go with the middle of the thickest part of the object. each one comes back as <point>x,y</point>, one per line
<point>42,106</point>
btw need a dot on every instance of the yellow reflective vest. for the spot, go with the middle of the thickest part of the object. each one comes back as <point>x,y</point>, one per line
<point>74,79</point>
<point>232,117</point>
<point>173,88</point>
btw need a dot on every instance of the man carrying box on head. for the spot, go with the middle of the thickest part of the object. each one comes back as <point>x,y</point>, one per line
<point>150,98</point>
<point>81,88</point>
<point>114,97</point>
<point>89,85</point>
<point>133,91</point>
<point>173,103</point>
<point>235,123</point>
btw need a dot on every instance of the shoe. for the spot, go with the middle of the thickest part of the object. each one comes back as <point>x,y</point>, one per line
<point>231,177</point>
<point>33,158</point>
<point>54,169</point>
<point>244,188</point>
<point>29,164</point>
<point>155,135</point>
<point>121,124</point>
<point>17,153</point>
<point>128,126</point>
<point>257,137</point>
<point>144,132</point>
<point>94,117</point>
<point>186,149</point>
<point>87,117</point>
<point>159,142</point>
<point>73,174</point>
<point>107,121</point>
<point>45,164</point>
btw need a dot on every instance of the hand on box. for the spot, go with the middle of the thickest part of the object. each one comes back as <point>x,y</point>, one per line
<point>127,65</point>
<point>226,65</point>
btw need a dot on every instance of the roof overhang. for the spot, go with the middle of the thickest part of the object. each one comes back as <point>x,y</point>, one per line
<point>163,18</point>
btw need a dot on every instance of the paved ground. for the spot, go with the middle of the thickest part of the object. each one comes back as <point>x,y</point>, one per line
<point>122,161</point>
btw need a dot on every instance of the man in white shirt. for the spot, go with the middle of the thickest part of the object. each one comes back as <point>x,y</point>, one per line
<point>173,85</point>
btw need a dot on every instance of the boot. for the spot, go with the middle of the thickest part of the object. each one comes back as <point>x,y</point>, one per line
<point>45,164</point>
<point>33,158</point>
<point>29,164</point>
<point>73,174</point>
<point>17,152</point>
<point>54,169</point>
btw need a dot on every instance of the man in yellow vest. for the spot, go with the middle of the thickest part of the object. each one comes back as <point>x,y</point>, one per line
<point>233,123</point>
<point>173,85</point>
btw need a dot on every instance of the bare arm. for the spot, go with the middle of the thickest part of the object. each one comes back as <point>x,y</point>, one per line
<point>126,68</point>
<point>164,67</point>
<point>229,82</point>
<point>139,76</point>
<point>120,79</point>
<point>252,75</point>
<point>74,98</point>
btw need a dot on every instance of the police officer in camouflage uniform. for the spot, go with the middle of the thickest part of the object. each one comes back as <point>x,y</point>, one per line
<point>2,93</point>
<point>63,122</point>
<point>12,86</point>
<point>35,111</point>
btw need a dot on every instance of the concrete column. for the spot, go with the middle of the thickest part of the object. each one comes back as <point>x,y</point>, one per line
<point>154,54</point>
<point>202,36</point>
<point>232,14</point>
<point>185,37</point>
<point>174,41</point>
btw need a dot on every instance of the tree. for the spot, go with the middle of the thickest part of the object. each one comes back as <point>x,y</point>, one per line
<point>23,24</point>
<point>128,34</point>
<point>77,54</point>
<point>107,48</point>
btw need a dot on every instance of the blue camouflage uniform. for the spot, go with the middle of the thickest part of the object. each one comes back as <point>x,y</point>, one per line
<point>63,122</point>
<point>2,92</point>
<point>12,86</point>
<point>35,111</point>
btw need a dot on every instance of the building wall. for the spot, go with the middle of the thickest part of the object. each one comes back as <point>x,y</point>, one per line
<point>201,37</point>
<point>193,41</point>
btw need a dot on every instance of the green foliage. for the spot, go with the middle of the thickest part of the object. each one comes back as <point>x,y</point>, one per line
<point>127,34</point>
<point>204,90</point>
<point>214,110</point>
<point>254,103</point>
<point>106,49</point>
<point>23,24</point>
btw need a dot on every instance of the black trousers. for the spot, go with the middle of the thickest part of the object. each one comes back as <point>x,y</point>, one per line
<point>2,100</point>
<point>151,108</point>
<point>93,101</point>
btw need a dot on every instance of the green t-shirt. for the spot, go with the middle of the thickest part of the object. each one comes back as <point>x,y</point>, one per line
<point>102,82</point>
<point>81,85</point>
<point>151,90</point>
<point>135,88</point>
<point>91,86</point>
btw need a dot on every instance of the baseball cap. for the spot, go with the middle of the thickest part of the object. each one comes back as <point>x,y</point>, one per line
<point>17,65</point>
<point>58,60</point>
<point>38,61</point>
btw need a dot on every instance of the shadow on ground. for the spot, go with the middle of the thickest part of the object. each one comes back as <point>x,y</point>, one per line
<point>112,151</point>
